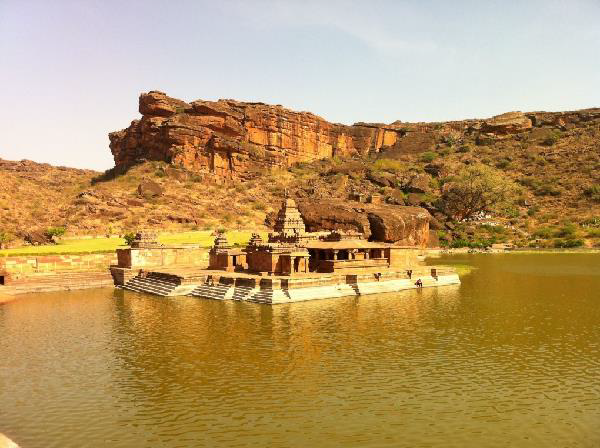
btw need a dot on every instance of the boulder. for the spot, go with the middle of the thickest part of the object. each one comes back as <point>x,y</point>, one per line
<point>382,178</point>
<point>37,238</point>
<point>400,225</point>
<point>419,184</point>
<point>507,123</point>
<point>322,216</point>
<point>378,222</point>
<point>149,189</point>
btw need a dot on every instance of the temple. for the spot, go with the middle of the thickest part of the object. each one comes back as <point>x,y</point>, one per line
<point>291,265</point>
<point>292,251</point>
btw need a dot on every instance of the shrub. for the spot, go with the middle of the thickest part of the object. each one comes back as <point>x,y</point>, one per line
<point>552,138</point>
<point>502,164</point>
<point>593,193</point>
<point>511,212</point>
<point>259,206</point>
<point>543,232</point>
<point>593,233</point>
<point>568,243</point>
<point>129,237</point>
<point>566,231</point>
<point>390,165</point>
<point>428,156</point>
<point>463,149</point>
<point>5,238</point>
<point>533,210</point>
<point>55,232</point>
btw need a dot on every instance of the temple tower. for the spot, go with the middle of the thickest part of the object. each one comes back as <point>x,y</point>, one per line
<point>289,221</point>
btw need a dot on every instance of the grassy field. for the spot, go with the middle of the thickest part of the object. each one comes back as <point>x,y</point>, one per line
<point>99,245</point>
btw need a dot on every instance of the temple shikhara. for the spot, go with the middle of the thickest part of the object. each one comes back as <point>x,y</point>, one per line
<point>290,264</point>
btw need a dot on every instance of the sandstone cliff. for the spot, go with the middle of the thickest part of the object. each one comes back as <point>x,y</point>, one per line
<point>233,139</point>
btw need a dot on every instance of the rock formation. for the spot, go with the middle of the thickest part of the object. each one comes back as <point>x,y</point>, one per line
<point>233,139</point>
<point>378,222</point>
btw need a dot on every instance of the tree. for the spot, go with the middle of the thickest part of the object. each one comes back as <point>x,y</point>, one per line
<point>475,189</point>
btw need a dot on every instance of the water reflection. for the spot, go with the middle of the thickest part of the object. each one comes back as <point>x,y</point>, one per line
<point>511,354</point>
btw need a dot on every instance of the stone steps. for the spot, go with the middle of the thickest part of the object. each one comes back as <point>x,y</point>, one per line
<point>216,292</point>
<point>151,286</point>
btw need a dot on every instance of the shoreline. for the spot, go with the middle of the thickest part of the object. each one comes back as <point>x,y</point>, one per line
<point>34,284</point>
<point>433,253</point>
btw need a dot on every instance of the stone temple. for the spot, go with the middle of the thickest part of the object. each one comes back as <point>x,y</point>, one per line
<point>291,265</point>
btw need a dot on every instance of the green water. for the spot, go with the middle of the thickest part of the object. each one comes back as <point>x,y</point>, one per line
<point>510,358</point>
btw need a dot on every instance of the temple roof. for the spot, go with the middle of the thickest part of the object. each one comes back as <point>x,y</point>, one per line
<point>345,244</point>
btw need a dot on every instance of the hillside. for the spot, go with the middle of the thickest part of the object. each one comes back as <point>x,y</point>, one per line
<point>203,165</point>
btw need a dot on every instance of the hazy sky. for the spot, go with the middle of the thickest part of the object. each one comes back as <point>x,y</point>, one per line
<point>71,71</point>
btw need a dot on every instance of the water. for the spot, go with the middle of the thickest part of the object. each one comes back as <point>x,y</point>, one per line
<point>509,358</point>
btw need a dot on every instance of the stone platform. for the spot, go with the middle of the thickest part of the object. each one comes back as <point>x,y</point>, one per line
<point>221,285</point>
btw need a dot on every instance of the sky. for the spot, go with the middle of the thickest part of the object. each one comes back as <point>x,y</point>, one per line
<point>72,71</point>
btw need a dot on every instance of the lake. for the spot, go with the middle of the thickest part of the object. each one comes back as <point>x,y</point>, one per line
<point>511,357</point>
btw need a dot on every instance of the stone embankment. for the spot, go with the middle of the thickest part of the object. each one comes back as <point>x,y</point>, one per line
<point>25,274</point>
<point>233,139</point>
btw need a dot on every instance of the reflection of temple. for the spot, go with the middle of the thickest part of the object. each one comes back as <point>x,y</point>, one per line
<point>291,251</point>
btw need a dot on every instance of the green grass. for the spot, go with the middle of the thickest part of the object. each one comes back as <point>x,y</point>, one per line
<point>103,245</point>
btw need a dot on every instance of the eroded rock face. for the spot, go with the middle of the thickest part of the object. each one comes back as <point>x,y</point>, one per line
<point>378,222</point>
<point>235,139</point>
<point>232,139</point>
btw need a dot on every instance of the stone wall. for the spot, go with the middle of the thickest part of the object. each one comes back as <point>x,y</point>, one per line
<point>162,256</point>
<point>17,268</point>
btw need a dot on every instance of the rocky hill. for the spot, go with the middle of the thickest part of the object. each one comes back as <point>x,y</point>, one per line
<point>205,164</point>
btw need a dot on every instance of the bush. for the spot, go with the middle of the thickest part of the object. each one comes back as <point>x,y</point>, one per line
<point>390,165</point>
<point>544,233</point>
<point>5,238</point>
<point>55,232</point>
<point>566,231</point>
<point>259,206</point>
<point>593,193</point>
<point>502,164</point>
<point>552,139</point>
<point>428,156</point>
<point>129,238</point>
<point>533,210</point>
<point>568,243</point>
<point>463,149</point>
<point>593,233</point>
